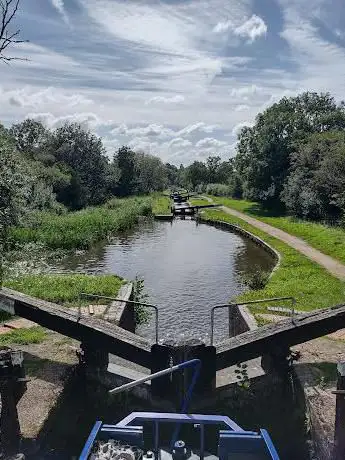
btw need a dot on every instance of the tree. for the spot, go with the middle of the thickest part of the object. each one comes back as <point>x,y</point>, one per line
<point>80,154</point>
<point>264,151</point>
<point>172,173</point>
<point>31,138</point>
<point>13,190</point>
<point>150,173</point>
<point>125,160</point>
<point>8,10</point>
<point>195,174</point>
<point>315,188</point>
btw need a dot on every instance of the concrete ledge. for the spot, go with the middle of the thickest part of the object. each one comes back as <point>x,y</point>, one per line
<point>120,312</point>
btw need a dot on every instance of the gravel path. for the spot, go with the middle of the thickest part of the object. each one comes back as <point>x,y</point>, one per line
<point>334,267</point>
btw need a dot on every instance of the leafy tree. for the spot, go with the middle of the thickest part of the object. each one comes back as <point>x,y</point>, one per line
<point>264,150</point>
<point>82,155</point>
<point>31,138</point>
<point>173,175</point>
<point>125,160</point>
<point>150,173</point>
<point>195,174</point>
<point>315,188</point>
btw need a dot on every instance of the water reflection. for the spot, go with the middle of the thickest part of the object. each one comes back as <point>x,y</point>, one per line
<point>187,269</point>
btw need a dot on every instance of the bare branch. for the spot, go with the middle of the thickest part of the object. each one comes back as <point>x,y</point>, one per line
<point>8,10</point>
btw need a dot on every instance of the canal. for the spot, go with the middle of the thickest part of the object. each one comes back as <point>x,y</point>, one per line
<point>187,268</point>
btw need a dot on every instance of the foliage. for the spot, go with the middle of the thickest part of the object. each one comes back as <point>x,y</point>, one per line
<point>315,188</point>
<point>218,189</point>
<point>264,150</point>
<point>329,240</point>
<point>81,229</point>
<point>66,288</point>
<point>297,276</point>
<point>256,280</point>
<point>142,315</point>
<point>161,204</point>
<point>13,191</point>
<point>150,173</point>
<point>23,336</point>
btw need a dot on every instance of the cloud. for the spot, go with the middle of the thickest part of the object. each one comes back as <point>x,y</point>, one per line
<point>223,27</point>
<point>152,130</point>
<point>200,126</point>
<point>166,100</point>
<point>86,120</point>
<point>60,7</point>
<point>238,128</point>
<point>210,142</point>
<point>252,29</point>
<point>242,108</point>
<point>30,98</point>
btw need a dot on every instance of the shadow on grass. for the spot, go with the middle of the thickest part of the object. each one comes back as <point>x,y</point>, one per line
<point>258,210</point>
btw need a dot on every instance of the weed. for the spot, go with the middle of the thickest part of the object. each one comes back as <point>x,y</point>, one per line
<point>23,336</point>
<point>66,288</point>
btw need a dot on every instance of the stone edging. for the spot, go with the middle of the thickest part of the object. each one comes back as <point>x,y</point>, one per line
<point>120,312</point>
<point>243,319</point>
<point>258,241</point>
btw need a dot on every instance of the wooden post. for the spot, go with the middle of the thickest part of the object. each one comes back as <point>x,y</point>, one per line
<point>339,433</point>
<point>12,387</point>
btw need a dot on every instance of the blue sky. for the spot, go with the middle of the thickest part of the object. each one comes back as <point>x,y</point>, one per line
<point>175,78</point>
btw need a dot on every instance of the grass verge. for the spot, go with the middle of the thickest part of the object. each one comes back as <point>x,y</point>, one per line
<point>66,289</point>
<point>297,276</point>
<point>23,336</point>
<point>329,240</point>
<point>81,229</point>
<point>160,204</point>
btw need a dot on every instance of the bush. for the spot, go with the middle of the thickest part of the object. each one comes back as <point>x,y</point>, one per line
<point>256,280</point>
<point>218,189</point>
<point>81,229</point>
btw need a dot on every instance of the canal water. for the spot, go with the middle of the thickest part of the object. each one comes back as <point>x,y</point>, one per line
<point>187,268</point>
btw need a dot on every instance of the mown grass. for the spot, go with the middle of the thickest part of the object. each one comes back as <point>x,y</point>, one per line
<point>160,204</point>
<point>329,240</point>
<point>66,289</point>
<point>23,336</point>
<point>297,276</point>
<point>82,229</point>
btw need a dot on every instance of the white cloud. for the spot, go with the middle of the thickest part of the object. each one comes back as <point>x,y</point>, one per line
<point>244,91</point>
<point>166,100</point>
<point>252,29</point>
<point>238,128</point>
<point>242,108</point>
<point>152,130</point>
<point>86,120</point>
<point>210,142</point>
<point>60,7</point>
<point>223,26</point>
<point>29,97</point>
<point>200,126</point>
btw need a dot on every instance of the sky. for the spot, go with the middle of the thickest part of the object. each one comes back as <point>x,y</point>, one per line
<point>174,78</point>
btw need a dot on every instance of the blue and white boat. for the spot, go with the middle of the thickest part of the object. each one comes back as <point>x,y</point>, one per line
<point>139,435</point>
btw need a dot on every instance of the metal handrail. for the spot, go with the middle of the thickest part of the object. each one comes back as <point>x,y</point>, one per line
<point>132,302</point>
<point>193,362</point>
<point>250,302</point>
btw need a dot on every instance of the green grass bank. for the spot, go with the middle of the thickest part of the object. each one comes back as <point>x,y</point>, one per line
<point>82,229</point>
<point>329,240</point>
<point>160,204</point>
<point>65,289</point>
<point>297,276</point>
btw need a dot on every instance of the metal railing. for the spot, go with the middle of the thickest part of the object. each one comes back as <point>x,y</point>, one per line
<point>132,302</point>
<point>250,302</point>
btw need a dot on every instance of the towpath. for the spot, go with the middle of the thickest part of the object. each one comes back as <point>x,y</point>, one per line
<point>333,266</point>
